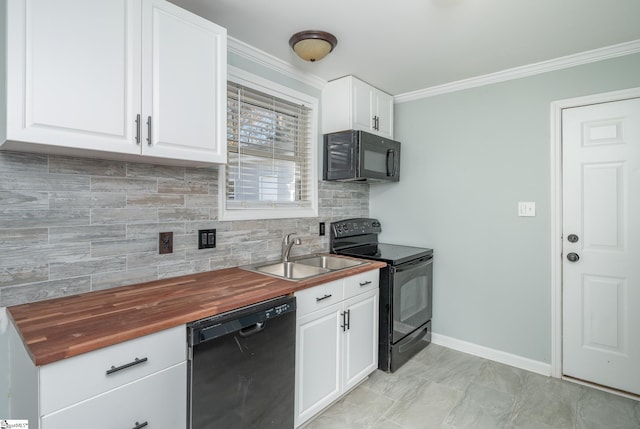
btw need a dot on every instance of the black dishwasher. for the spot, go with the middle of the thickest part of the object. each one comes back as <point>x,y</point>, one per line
<point>242,367</point>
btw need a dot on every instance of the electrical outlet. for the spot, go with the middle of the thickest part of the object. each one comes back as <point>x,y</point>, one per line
<point>321,229</point>
<point>165,242</point>
<point>206,238</point>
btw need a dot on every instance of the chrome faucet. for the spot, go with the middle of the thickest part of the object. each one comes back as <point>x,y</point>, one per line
<point>287,244</point>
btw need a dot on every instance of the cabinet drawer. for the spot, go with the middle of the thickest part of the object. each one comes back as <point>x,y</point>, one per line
<point>68,381</point>
<point>361,283</point>
<point>318,297</point>
<point>160,400</point>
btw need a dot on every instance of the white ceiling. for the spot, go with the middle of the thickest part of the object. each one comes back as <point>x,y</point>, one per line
<point>407,45</point>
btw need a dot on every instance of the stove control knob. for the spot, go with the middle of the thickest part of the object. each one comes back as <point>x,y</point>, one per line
<point>345,227</point>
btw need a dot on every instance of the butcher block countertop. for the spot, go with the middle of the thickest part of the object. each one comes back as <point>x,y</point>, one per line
<point>59,328</point>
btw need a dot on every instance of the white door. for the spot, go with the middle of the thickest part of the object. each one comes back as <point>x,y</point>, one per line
<point>362,105</point>
<point>183,85</point>
<point>318,360</point>
<point>74,73</point>
<point>601,244</point>
<point>383,106</point>
<point>361,341</point>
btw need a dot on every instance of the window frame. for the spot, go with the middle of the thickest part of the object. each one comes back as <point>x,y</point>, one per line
<point>252,213</point>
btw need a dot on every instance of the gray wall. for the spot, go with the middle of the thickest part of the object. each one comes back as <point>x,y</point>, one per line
<point>467,159</point>
<point>71,225</point>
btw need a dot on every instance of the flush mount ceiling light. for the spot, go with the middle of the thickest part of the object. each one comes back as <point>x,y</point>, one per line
<point>312,45</point>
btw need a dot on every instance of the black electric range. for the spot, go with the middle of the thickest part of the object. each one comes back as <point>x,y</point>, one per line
<point>406,287</point>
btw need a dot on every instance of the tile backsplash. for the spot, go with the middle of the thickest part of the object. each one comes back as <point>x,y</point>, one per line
<point>72,225</point>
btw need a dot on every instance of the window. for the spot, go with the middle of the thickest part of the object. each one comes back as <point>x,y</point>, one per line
<point>271,163</point>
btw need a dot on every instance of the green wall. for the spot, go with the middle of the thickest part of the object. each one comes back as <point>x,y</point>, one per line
<point>468,158</point>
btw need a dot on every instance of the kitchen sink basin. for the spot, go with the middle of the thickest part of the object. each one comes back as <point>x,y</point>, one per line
<point>290,270</point>
<point>304,267</point>
<point>329,262</point>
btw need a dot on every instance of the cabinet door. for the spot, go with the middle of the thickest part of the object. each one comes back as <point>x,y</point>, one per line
<point>362,99</point>
<point>361,338</point>
<point>74,73</point>
<point>184,84</point>
<point>318,360</point>
<point>160,400</point>
<point>383,108</point>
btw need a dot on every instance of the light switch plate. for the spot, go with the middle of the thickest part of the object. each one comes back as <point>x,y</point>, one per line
<point>526,208</point>
<point>206,238</point>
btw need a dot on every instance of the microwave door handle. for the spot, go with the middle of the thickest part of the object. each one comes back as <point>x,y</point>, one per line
<point>393,162</point>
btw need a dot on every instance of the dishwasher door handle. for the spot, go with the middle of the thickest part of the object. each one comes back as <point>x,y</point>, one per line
<point>251,330</point>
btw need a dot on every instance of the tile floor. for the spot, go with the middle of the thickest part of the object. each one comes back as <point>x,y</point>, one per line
<point>444,388</point>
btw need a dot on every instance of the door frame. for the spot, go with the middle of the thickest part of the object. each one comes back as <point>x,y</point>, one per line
<point>556,209</point>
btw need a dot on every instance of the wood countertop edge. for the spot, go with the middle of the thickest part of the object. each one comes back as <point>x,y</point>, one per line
<point>33,320</point>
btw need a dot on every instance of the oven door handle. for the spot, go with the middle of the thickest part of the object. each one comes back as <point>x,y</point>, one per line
<point>414,264</point>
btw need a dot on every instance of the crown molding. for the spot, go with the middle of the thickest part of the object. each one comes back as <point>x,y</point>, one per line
<point>586,57</point>
<point>255,55</point>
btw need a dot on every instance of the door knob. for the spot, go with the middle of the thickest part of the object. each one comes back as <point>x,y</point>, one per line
<point>573,257</point>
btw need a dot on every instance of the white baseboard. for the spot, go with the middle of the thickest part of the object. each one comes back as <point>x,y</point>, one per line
<point>492,354</point>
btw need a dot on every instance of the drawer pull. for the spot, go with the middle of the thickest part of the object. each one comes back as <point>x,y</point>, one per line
<point>125,366</point>
<point>140,425</point>
<point>324,297</point>
<point>368,282</point>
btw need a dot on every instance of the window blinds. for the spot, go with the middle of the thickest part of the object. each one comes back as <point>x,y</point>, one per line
<point>268,149</point>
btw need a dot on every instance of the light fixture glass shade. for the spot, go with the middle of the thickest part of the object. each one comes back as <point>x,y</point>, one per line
<point>313,45</point>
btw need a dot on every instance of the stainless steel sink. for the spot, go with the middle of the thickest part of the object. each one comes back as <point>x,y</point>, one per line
<point>289,270</point>
<point>304,267</point>
<point>329,262</point>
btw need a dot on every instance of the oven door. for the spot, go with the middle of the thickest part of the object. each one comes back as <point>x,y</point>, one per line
<point>412,292</point>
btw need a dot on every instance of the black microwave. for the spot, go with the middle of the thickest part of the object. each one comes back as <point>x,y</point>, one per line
<point>360,156</point>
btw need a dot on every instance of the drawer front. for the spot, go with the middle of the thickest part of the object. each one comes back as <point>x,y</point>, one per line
<point>81,377</point>
<point>361,283</point>
<point>318,297</point>
<point>159,400</point>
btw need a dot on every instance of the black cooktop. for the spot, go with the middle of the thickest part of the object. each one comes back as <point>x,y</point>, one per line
<point>393,254</point>
<point>359,237</point>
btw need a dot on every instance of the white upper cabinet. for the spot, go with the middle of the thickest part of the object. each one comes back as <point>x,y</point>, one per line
<point>184,85</point>
<point>85,76</point>
<point>349,103</point>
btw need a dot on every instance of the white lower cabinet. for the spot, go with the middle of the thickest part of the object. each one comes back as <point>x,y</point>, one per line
<point>360,356</point>
<point>125,385</point>
<point>336,341</point>
<point>157,401</point>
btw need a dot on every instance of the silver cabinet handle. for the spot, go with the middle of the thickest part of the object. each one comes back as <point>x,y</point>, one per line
<point>138,128</point>
<point>149,130</point>
<point>140,425</point>
<point>322,298</point>
<point>126,365</point>
<point>346,320</point>
<point>368,282</point>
